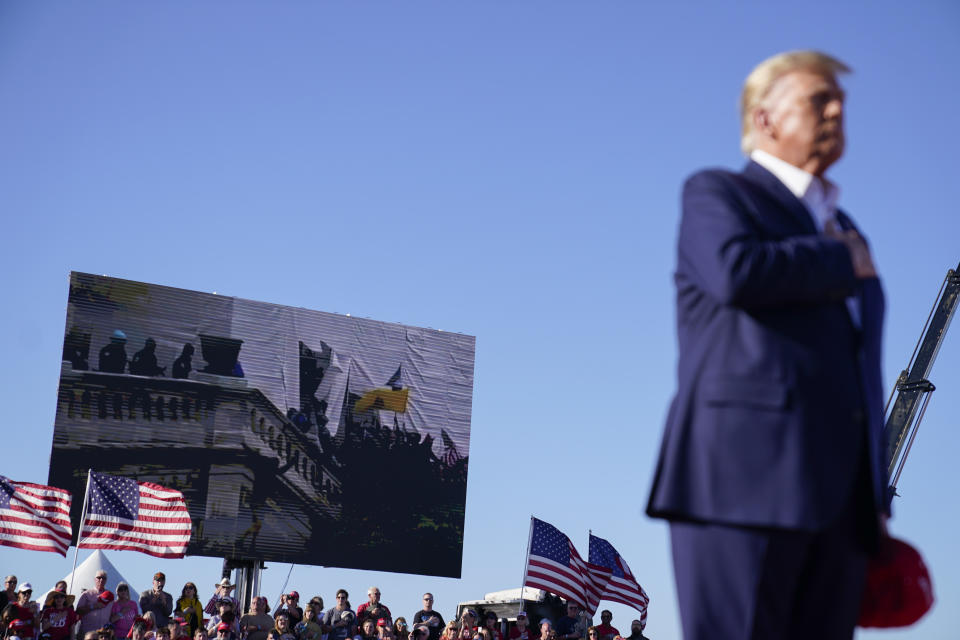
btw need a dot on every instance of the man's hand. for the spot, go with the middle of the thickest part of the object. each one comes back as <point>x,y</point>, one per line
<point>857,246</point>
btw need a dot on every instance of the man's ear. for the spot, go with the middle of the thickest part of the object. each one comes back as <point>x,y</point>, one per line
<point>763,123</point>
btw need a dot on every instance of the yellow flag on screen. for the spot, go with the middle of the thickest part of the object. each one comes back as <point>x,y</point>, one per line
<point>384,400</point>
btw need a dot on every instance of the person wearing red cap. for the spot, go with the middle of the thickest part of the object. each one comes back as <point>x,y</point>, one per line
<point>291,604</point>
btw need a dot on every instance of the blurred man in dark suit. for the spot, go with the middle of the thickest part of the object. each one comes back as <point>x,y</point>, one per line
<point>771,468</point>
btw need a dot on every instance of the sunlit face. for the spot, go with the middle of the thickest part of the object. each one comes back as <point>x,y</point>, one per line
<point>368,627</point>
<point>23,597</point>
<point>282,623</point>
<point>801,120</point>
<point>545,629</point>
<point>373,596</point>
<point>427,602</point>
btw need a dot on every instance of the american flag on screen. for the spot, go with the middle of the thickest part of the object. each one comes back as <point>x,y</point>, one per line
<point>621,586</point>
<point>34,516</point>
<point>127,515</point>
<point>554,565</point>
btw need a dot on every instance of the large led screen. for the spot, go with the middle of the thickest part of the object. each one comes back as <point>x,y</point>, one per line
<point>294,435</point>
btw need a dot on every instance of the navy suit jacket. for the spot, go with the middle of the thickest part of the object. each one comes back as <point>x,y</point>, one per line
<point>778,392</point>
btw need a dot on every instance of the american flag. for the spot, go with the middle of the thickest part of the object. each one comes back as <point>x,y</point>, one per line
<point>34,516</point>
<point>554,565</point>
<point>124,514</point>
<point>621,586</point>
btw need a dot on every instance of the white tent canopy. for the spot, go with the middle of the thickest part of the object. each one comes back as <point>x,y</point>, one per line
<point>87,570</point>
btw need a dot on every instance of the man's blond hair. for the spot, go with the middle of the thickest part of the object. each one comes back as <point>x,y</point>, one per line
<point>764,75</point>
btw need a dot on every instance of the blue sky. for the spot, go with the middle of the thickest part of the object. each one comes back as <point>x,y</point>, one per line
<point>509,170</point>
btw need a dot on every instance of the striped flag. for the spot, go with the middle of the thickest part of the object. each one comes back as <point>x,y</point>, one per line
<point>34,516</point>
<point>621,586</point>
<point>127,515</point>
<point>554,565</point>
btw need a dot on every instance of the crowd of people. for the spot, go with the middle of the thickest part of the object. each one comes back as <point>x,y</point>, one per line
<point>100,614</point>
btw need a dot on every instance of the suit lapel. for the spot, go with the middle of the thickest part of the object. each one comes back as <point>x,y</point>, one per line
<point>777,191</point>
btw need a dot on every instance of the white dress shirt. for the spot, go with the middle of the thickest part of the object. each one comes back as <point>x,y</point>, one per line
<point>818,195</point>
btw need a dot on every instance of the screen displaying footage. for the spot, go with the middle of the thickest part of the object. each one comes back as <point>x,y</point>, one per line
<point>295,435</point>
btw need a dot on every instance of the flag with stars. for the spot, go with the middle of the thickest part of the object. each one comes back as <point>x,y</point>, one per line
<point>134,516</point>
<point>34,516</point>
<point>621,586</point>
<point>554,565</point>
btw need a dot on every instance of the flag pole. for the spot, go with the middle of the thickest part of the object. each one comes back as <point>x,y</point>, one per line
<point>83,514</point>
<point>526,563</point>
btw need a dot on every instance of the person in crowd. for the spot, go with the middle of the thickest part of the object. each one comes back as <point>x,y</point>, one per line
<point>123,611</point>
<point>189,608</point>
<point>223,590</point>
<point>25,611</point>
<point>291,604</point>
<point>224,631</point>
<point>368,630</point>
<point>257,622</point>
<point>106,632</point>
<point>162,633</point>
<point>201,633</point>
<point>468,623</point>
<point>281,621</point>
<point>592,633</point>
<point>94,612</point>
<point>157,600</point>
<point>338,621</point>
<point>605,630</point>
<point>400,630</point>
<point>427,616</point>
<point>308,628</point>
<point>420,632</point>
<point>225,613</point>
<point>60,587</point>
<point>373,608</point>
<point>522,631</point>
<point>9,593</point>
<point>490,623</point>
<point>59,618</point>
<point>636,631</point>
<point>449,631</point>
<point>150,624</point>
<point>570,627</point>
<point>317,603</point>
<point>385,629</point>
<point>273,635</point>
<point>546,629</point>
<point>6,617</point>
<point>177,627</point>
